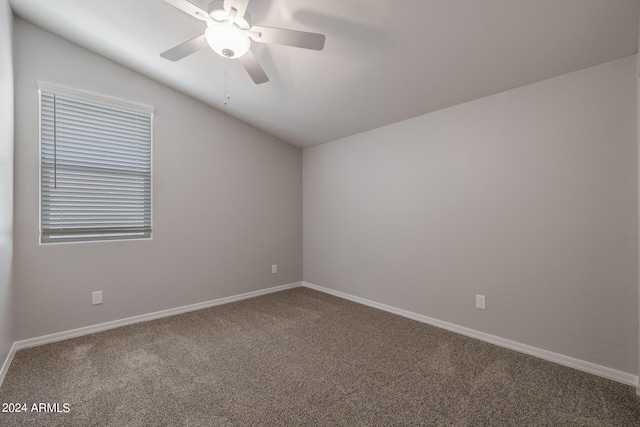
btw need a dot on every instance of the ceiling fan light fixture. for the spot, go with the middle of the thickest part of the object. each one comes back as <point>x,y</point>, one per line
<point>227,40</point>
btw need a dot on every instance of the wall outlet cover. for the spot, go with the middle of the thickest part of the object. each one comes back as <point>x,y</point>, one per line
<point>96,297</point>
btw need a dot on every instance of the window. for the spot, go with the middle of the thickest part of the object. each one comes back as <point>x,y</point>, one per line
<point>95,167</point>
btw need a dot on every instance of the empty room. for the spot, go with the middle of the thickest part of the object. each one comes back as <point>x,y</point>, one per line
<point>320,213</point>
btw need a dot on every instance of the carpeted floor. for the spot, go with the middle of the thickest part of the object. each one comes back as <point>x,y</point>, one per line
<point>300,357</point>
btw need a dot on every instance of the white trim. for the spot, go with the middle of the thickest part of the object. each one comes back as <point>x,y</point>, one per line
<point>59,336</point>
<point>94,98</point>
<point>7,362</point>
<point>581,365</point>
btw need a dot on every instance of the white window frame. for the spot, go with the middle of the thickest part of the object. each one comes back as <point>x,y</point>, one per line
<point>100,101</point>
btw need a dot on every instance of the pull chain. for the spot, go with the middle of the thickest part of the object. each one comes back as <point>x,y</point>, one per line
<point>227,97</point>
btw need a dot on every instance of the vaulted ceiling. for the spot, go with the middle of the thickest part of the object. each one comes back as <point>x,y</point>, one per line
<point>384,60</point>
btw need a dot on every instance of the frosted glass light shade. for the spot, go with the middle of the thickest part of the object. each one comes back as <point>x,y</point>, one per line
<point>227,40</point>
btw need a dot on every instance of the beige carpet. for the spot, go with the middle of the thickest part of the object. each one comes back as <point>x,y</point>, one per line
<point>301,357</point>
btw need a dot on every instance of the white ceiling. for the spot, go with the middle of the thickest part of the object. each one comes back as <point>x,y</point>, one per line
<point>384,60</point>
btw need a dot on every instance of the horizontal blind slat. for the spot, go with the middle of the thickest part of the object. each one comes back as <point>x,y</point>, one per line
<point>91,230</point>
<point>89,143</point>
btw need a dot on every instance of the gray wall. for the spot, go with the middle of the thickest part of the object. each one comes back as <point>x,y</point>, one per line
<point>6,178</point>
<point>227,203</point>
<point>528,197</point>
<point>638,160</point>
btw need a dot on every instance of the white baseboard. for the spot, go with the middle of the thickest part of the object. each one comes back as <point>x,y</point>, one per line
<point>59,336</point>
<point>571,362</point>
<point>7,363</point>
<point>592,368</point>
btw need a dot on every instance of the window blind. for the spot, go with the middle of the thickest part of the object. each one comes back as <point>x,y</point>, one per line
<point>95,168</point>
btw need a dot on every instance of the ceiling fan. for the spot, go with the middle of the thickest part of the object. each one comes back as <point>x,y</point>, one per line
<point>229,33</point>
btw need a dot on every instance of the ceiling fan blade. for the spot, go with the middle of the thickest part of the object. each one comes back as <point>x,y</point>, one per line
<point>185,49</point>
<point>288,37</point>
<point>189,8</point>
<point>253,67</point>
<point>239,5</point>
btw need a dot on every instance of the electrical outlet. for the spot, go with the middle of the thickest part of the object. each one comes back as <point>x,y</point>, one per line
<point>274,268</point>
<point>481,302</point>
<point>96,297</point>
